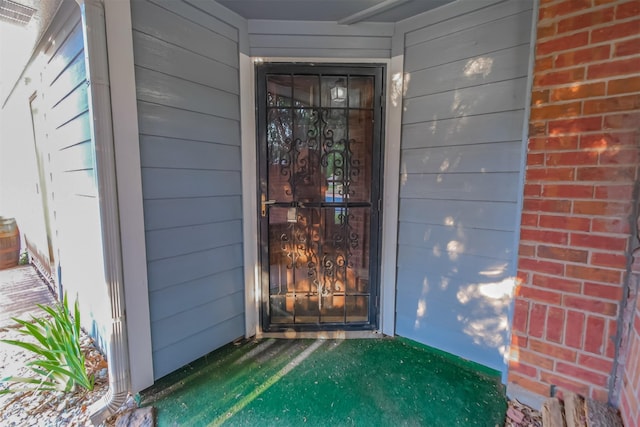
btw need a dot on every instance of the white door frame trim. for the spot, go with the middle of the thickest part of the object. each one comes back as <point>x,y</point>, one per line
<point>391,179</point>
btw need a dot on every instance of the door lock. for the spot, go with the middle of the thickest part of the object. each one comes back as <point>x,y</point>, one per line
<point>264,203</point>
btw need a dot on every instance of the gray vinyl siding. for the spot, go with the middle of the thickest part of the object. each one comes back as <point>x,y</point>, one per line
<point>461,155</point>
<point>187,85</point>
<point>319,39</point>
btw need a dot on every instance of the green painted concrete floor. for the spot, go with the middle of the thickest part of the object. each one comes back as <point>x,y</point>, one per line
<point>363,382</point>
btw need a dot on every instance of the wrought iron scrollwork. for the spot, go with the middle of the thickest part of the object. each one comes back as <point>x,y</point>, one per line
<point>319,156</point>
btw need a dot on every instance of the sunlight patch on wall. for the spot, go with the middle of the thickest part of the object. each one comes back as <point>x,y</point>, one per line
<point>492,329</point>
<point>454,248</point>
<point>478,66</point>
<point>399,85</point>
<point>497,271</point>
<point>436,251</point>
<point>421,311</point>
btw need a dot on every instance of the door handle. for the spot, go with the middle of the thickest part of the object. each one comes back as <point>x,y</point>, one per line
<point>264,203</point>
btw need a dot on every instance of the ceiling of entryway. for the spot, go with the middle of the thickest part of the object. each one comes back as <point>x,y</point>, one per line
<point>341,11</point>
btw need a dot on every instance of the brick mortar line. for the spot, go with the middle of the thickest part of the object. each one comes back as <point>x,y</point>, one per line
<point>602,114</point>
<point>588,82</point>
<point>591,250</point>
<point>587,98</point>
<point>576,280</point>
<point>576,199</point>
<point>529,284</point>
<point>581,282</point>
<point>579,12</point>
<point>562,307</point>
<point>552,305</point>
<point>588,29</point>
<point>576,364</point>
<point>588,45</point>
<point>612,44</point>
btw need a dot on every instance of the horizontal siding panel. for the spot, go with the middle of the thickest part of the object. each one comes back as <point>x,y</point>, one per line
<point>172,242</point>
<point>320,53</point>
<point>160,152</point>
<point>79,156</point>
<point>463,22</point>
<point>170,122</point>
<point>488,68</point>
<point>187,87</point>
<point>73,76</point>
<point>163,89</point>
<point>417,264</point>
<point>69,49</point>
<point>496,127</point>
<point>191,348</point>
<point>460,213</point>
<point>501,96</point>
<point>429,287</point>
<point>199,317</point>
<point>496,157</point>
<point>469,299</point>
<point>300,41</point>
<point>469,341</point>
<point>491,36</point>
<point>502,187</point>
<point>76,182</point>
<point>71,106</point>
<point>73,132</point>
<point>155,21</point>
<point>196,15</point>
<point>321,28</point>
<point>174,183</point>
<point>185,268</point>
<point>454,241</point>
<point>462,147</point>
<point>176,299</point>
<point>158,55</point>
<point>163,213</point>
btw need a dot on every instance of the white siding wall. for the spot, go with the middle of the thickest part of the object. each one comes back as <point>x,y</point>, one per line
<point>186,65</point>
<point>57,78</point>
<point>461,151</point>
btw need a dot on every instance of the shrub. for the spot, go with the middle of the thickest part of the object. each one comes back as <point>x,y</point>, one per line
<point>61,363</point>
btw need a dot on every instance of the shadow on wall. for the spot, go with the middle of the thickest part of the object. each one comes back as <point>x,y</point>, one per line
<point>460,173</point>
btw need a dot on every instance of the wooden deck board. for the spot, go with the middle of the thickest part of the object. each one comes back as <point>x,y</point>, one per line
<point>21,289</point>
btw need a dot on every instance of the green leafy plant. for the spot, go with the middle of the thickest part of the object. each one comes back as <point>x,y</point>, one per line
<point>61,363</point>
<point>24,258</point>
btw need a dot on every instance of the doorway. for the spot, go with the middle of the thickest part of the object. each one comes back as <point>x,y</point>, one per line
<point>320,175</point>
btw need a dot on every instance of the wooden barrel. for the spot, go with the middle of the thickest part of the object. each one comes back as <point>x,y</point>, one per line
<point>9,243</point>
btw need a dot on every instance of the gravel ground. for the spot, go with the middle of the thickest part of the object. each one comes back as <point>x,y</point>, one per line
<point>48,408</point>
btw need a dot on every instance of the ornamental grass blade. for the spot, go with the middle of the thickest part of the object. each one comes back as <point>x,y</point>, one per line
<point>62,364</point>
<point>28,346</point>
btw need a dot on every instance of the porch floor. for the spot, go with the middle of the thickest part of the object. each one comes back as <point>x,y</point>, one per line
<point>359,382</point>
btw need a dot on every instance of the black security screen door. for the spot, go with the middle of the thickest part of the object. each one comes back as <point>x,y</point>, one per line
<point>319,138</point>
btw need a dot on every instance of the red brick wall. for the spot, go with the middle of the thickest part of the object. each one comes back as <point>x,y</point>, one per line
<point>577,220</point>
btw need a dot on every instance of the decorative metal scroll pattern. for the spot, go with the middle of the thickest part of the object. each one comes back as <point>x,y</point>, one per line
<point>310,164</point>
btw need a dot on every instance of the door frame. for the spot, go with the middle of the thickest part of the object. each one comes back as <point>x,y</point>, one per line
<point>377,71</point>
<point>393,87</point>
